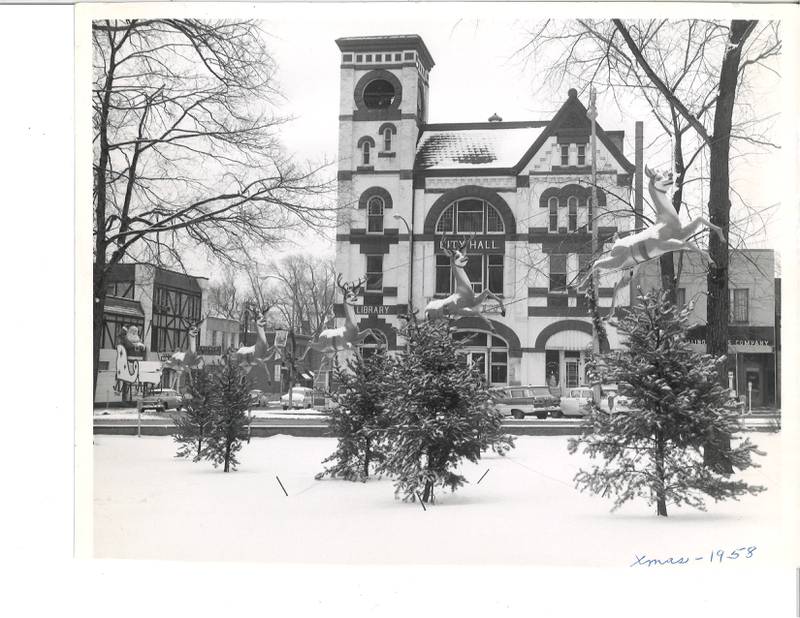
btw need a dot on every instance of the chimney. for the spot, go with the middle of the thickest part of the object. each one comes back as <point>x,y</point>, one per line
<point>495,118</point>
<point>638,187</point>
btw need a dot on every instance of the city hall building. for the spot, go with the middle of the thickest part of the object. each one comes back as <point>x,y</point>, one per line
<point>519,190</point>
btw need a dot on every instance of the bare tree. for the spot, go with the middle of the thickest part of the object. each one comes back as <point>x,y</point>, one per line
<point>185,146</point>
<point>304,289</point>
<point>224,296</point>
<point>690,73</point>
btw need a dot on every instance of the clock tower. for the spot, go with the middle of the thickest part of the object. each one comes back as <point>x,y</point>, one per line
<point>383,103</point>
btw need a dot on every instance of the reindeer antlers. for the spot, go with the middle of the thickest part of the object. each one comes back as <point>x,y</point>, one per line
<point>350,287</point>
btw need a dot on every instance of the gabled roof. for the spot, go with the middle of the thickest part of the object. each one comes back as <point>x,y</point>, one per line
<point>475,145</point>
<point>507,146</point>
<point>571,118</point>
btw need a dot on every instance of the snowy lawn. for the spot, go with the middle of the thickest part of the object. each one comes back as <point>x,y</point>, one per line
<point>147,504</point>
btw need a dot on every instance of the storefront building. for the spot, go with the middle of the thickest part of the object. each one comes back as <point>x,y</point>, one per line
<point>752,336</point>
<point>161,303</point>
<point>519,191</point>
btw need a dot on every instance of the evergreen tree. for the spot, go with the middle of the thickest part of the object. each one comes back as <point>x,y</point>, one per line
<point>192,427</point>
<point>231,420</point>
<point>358,420</point>
<point>439,412</point>
<point>654,449</point>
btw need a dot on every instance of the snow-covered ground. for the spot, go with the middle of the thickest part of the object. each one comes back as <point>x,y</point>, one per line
<point>147,504</point>
<point>129,414</point>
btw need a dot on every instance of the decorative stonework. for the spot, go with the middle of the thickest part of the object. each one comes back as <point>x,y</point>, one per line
<point>491,182</point>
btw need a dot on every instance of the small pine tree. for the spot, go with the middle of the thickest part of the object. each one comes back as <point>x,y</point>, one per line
<point>439,412</point>
<point>358,420</point>
<point>231,420</point>
<point>654,449</point>
<point>192,427</point>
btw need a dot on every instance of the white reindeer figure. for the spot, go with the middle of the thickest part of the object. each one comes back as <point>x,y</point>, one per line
<point>186,359</point>
<point>347,337</point>
<point>260,352</point>
<point>463,302</point>
<point>665,235</point>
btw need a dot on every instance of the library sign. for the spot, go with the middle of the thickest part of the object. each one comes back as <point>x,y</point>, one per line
<point>376,309</point>
<point>487,243</point>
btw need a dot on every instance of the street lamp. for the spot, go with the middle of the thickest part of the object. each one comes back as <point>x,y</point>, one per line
<point>410,260</point>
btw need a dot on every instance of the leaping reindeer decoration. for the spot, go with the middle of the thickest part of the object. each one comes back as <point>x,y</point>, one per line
<point>347,337</point>
<point>186,359</point>
<point>463,302</point>
<point>665,235</point>
<point>260,352</point>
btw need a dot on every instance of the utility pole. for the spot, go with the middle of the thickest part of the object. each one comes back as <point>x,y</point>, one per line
<point>598,330</point>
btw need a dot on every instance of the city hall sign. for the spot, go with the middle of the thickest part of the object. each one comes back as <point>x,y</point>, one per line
<point>488,243</point>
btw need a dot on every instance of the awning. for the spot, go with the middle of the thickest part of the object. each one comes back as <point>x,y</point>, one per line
<point>569,340</point>
<point>124,307</point>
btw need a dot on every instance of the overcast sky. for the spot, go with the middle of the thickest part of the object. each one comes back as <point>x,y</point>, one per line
<point>477,73</point>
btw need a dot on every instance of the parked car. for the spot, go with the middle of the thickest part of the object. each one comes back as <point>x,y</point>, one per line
<point>161,401</point>
<point>302,397</point>
<point>577,401</point>
<point>258,399</point>
<point>522,401</point>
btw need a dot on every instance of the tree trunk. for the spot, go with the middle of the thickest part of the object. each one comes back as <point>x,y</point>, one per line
<point>719,206</point>
<point>661,497</point>
<point>227,456</point>
<point>669,283</point>
<point>366,459</point>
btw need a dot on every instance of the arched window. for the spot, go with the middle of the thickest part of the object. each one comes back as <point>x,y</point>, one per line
<point>375,214</point>
<point>552,204</point>
<point>365,153</point>
<point>470,216</point>
<point>387,139</point>
<point>572,213</point>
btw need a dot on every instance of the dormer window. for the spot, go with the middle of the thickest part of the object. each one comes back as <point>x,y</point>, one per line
<point>564,155</point>
<point>581,154</point>
<point>365,153</point>
<point>387,139</point>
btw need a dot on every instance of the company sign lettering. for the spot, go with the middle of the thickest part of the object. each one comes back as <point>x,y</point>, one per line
<point>479,244</point>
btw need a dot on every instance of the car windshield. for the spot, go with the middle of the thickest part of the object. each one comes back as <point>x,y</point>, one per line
<point>539,391</point>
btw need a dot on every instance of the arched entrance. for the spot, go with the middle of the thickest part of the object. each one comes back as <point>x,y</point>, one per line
<point>487,352</point>
<point>566,344</point>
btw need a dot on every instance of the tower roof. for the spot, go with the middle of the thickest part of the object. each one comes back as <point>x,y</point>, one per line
<point>390,42</point>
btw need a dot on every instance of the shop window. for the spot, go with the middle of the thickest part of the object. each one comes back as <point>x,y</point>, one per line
<point>564,155</point>
<point>374,272</point>
<point>581,154</point>
<point>572,213</point>
<point>558,272</point>
<point>740,306</point>
<point>552,204</point>
<point>375,214</point>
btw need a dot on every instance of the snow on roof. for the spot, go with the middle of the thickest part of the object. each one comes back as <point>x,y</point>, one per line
<point>476,146</point>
